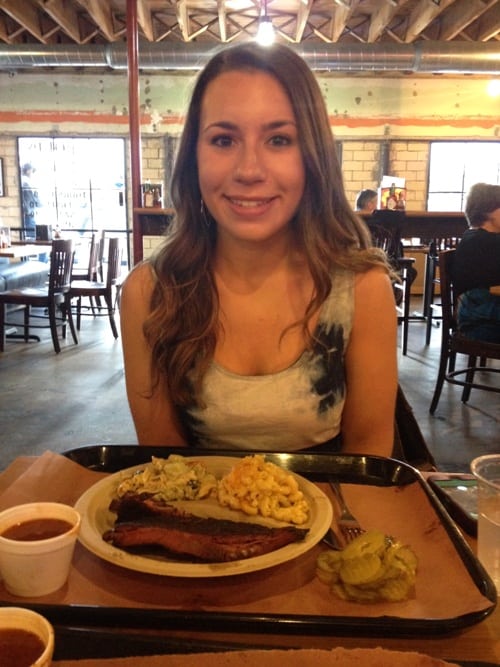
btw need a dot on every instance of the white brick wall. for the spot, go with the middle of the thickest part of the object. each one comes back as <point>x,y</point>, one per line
<point>150,243</point>
<point>407,159</point>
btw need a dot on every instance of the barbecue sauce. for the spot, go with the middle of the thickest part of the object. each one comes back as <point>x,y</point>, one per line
<point>36,529</point>
<point>19,648</point>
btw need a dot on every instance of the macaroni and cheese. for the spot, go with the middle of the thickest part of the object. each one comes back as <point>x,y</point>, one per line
<point>257,486</point>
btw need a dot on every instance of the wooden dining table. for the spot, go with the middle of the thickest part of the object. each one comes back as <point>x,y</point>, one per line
<point>107,610</point>
<point>24,250</point>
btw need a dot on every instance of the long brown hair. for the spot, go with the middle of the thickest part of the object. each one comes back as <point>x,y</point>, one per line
<point>182,328</point>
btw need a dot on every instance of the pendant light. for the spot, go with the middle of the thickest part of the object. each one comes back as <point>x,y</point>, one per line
<point>265,33</point>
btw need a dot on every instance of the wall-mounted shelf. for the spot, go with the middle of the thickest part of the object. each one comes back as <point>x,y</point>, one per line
<point>154,221</point>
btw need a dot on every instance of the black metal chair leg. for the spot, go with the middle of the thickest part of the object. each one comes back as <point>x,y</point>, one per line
<point>26,321</point>
<point>111,314</point>
<point>53,327</point>
<point>443,364</point>
<point>2,327</point>
<point>469,379</point>
<point>406,315</point>
<point>71,321</point>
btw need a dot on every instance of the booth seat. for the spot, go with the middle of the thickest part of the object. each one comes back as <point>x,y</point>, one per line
<point>16,275</point>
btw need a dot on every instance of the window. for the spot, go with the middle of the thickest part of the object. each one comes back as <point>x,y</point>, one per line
<point>454,166</point>
<point>78,183</point>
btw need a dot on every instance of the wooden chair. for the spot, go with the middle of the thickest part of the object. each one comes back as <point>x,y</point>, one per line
<point>432,309</point>
<point>453,342</point>
<point>91,271</point>
<point>388,238</point>
<point>54,297</point>
<point>96,289</point>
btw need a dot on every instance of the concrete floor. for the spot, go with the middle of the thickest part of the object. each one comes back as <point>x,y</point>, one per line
<point>76,398</point>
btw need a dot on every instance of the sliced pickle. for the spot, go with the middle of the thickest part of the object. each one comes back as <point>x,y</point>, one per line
<point>371,542</point>
<point>372,568</point>
<point>361,569</point>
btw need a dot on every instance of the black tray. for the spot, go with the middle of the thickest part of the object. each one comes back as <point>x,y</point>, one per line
<point>360,469</point>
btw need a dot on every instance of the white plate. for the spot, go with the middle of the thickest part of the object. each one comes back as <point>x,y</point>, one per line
<point>96,519</point>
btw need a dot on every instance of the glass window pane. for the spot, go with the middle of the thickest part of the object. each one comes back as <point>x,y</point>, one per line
<point>80,182</point>
<point>455,166</point>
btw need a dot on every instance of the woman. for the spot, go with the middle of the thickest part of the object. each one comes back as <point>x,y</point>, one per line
<point>267,320</point>
<point>477,265</point>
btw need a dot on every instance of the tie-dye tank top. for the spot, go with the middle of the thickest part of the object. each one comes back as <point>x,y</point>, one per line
<point>296,408</point>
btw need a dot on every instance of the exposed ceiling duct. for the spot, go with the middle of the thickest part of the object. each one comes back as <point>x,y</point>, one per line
<point>425,57</point>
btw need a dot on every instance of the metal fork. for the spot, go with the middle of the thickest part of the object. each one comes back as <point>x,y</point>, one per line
<point>348,525</point>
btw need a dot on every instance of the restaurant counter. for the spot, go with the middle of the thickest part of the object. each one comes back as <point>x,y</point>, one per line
<point>109,610</point>
<point>424,225</point>
<point>428,225</point>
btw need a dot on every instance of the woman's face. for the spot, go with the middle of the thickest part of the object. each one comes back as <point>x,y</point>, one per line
<point>250,166</point>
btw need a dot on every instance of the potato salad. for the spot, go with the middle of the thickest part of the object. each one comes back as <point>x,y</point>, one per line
<point>174,478</point>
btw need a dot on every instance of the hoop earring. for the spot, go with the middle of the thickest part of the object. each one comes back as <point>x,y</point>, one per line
<point>204,214</point>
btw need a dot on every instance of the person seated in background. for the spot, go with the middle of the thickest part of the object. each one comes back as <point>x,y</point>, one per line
<point>252,326</point>
<point>366,201</point>
<point>366,204</point>
<point>476,266</point>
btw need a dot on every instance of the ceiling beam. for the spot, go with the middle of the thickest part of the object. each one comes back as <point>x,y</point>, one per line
<point>64,15</point>
<point>365,21</point>
<point>9,36</point>
<point>302,18</point>
<point>145,20</point>
<point>100,13</point>
<point>461,14</point>
<point>489,24</point>
<point>380,20</point>
<point>339,21</point>
<point>27,16</point>
<point>183,18</point>
<point>424,13</point>
<point>221,13</point>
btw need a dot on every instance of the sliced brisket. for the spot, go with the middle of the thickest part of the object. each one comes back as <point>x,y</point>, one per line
<point>145,522</point>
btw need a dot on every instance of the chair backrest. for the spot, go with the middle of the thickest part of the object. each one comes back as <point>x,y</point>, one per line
<point>387,238</point>
<point>93,266</point>
<point>100,257</point>
<point>448,297</point>
<point>437,244</point>
<point>61,266</point>
<point>114,261</point>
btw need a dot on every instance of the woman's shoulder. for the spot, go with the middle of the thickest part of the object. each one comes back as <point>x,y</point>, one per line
<point>373,277</point>
<point>140,279</point>
<point>346,281</point>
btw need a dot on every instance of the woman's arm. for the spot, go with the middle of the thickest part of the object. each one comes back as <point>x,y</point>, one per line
<point>371,368</point>
<point>155,419</point>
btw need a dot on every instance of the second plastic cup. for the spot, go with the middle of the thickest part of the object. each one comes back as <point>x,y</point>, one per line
<point>486,469</point>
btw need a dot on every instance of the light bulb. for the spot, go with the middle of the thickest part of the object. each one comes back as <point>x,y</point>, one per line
<point>265,33</point>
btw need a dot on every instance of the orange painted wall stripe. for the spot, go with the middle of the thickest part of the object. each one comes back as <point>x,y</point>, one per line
<point>89,117</point>
<point>485,123</point>
<point>93,118</point>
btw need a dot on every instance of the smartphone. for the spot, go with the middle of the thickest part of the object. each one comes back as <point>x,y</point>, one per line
<point>458,493</point>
